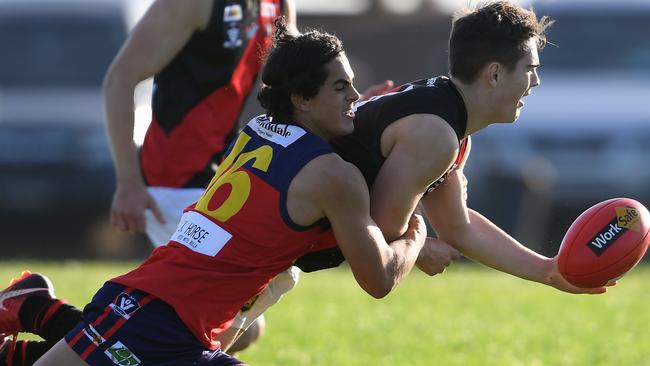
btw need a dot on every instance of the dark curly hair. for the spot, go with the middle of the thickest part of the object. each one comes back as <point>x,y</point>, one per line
<point>495,32</point>
<point>295,65</point>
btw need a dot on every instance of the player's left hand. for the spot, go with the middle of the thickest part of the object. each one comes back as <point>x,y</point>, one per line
<point>556,280</point>
<point>435,256</point>
<point>377,89</point>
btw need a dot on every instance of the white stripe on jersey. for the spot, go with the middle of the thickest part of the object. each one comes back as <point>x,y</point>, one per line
<point>281,134</point>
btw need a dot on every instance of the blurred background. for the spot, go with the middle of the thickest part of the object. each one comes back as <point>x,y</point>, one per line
<point>583,135</point>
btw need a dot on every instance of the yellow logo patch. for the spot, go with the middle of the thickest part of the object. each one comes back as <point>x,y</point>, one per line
<point>628,218</point>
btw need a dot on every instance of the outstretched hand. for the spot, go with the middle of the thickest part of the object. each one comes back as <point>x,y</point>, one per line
<point>556,280</point>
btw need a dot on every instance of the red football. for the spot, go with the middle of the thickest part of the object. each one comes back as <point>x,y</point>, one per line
<point>604,242</point>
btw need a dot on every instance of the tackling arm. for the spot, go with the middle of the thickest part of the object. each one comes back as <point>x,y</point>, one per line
<point>342,195</point>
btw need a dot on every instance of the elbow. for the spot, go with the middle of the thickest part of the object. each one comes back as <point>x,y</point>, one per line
<point>388,278</point>
<point>378,294</point>
<point>110,77</point>
<point>110,83</point>
<point>119,79</point>
<point>377,281</point>
<point>380,289</point>
<point>107,82</point>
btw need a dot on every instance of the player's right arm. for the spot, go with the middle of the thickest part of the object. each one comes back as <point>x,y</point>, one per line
<point>419,149</point>
<point>156,39</point>
<point>481,240</point>
<point>331,187</point>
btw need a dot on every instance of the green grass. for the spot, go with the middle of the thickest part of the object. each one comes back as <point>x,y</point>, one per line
<point>467,316</point>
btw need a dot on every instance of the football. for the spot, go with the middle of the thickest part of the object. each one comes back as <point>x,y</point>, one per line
<point>604,242</point>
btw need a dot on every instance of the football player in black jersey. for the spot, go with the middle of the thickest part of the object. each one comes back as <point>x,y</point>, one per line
<point>412,143</point>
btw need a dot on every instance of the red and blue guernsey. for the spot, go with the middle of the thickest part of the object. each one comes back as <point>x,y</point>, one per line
<point>238,236</point>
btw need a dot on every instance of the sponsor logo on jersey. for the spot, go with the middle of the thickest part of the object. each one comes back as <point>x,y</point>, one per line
<point>193,231</point>
<point>122,356</point>
<point>606,237</point>
<point>282,130</point>
<point>233,13</point>
<point>268,9</point>
<point>251,30</point>
<point>93,335</point>
<point>281,134</point>
<point>233,40</point>
<point>200,234</point>
<point>125,305</point>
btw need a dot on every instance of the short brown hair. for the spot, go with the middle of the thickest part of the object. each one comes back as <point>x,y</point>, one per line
<point>494,32</point>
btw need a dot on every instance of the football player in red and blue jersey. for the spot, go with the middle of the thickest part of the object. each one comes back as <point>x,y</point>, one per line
<point>280,192</point>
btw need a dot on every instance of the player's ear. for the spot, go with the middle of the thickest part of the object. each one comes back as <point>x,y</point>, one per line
<point>492,73</point>
<point>299,102</point>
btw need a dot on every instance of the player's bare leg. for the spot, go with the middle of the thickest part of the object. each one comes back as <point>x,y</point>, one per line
<point>60,354</point>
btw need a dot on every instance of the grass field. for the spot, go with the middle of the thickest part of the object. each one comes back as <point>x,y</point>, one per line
<point>467,316</point>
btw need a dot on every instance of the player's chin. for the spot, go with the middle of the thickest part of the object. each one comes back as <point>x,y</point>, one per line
<point>513,116</point>
<point>510,117</point>
<point>347,125</point>
<point>347,131</point>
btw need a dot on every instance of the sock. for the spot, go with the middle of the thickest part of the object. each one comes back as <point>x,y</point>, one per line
<point>25,353</point>
<point>50,318</point>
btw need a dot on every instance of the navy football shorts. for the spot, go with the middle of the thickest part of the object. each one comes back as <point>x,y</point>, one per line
<point>125,326</point>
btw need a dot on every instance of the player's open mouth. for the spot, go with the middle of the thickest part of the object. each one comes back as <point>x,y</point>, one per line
<point>349,113</point>
<point>521,103</point>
